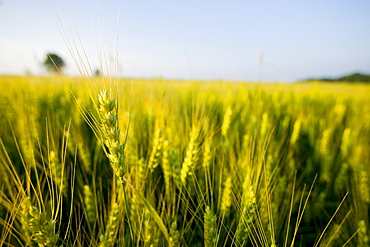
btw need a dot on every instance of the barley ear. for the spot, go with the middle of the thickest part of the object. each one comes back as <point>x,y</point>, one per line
<point>210,230</point>
<point>156,153</point>
<point>296,132</point>
<point>37,226</point>
<point>174,235</point>
<point>191,156</point>
<point>111,133</point>
<point>363,236</point>
<point>109,236</point>
<point>226,197</point>
<point>226,122</point>
<point>58,172</point>
<point>89,205</point>
<point>207,154</point>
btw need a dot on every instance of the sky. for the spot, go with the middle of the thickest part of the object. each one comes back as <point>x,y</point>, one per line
<point>241,40</point>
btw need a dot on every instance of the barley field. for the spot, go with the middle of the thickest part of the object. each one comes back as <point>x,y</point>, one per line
<point>116,162</point>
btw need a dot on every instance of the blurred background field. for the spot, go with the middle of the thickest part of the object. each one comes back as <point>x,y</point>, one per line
<point>222,163</point>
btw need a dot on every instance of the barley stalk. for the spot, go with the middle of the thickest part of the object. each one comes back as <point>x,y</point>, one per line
<point>111,137</point>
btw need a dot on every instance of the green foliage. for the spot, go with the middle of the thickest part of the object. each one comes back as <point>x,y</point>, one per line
<point>355,77</point>
<point>182,163</point>
<point>54,63</point>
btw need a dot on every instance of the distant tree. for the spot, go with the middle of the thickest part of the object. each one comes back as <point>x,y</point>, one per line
<point>54,63</point>
<point>97,73</point>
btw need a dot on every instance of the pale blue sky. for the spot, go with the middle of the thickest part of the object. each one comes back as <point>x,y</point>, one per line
<point>194,39</point>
